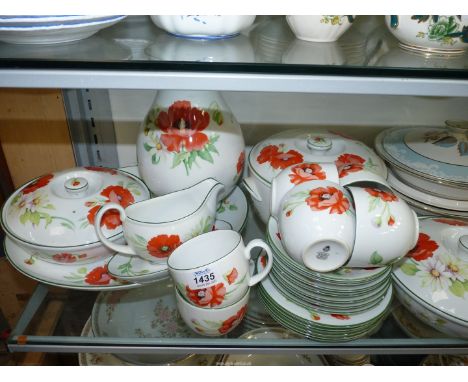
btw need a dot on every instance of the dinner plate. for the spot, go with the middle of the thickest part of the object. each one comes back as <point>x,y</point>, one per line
<point>91,276</point>
<point>54,33</point>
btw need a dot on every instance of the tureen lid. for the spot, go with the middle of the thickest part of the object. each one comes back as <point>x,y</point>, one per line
<point>287,148</point>
<point>438,153</point>
<point>58,209</point>
<point>436,270</point>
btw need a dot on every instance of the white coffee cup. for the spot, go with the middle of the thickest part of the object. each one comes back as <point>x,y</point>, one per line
<point>212,270</point>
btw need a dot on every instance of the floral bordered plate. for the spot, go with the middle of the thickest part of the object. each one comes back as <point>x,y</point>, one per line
<point>93,276</point>
<point>435,272</point>
<point>108,359</point>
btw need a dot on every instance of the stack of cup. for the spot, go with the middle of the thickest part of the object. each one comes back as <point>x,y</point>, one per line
<point>326,223</point>
<point>212,279</point>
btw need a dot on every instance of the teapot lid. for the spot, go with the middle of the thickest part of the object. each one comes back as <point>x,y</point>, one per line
<point>58,209</point>
<point>269,157</point>
<point>439,154</point>
<point>435,272</point>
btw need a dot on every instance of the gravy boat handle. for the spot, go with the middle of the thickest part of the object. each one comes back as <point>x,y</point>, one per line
<point>124,249</point>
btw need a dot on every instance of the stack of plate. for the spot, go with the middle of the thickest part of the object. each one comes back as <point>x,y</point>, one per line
<point>338,306</point>
<point>428,167</point>
<point>52,29</point>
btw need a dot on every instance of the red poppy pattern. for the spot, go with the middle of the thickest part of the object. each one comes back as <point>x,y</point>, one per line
<point>348,163</point>
<point>424,249</point>
<point>38,183</point>
<point>162,246</point>
<point>114,194</point>
<point>340,316</point>
<point>331,198</point>
<point>211,296</point>
<point>182,125</point>
<point>306,171</point>
<point>64,258</point>
<point>98,276</point>
<point>454,222</point>
<point>279,159</point>
<point>233,321</point>
<point>240,163</point>
<point>385,196</point>
<point>232,276</point>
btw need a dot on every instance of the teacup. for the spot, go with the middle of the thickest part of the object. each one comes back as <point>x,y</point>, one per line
<point>298,174</point>
<point>212,322</point>
<point>212,270</point>
<point>386,227</point>
<point>317,225</point>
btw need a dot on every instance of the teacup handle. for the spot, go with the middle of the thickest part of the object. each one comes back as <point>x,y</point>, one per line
<point>254,279</point>
<point>125,249</point>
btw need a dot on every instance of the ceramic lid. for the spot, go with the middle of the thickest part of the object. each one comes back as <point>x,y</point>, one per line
<point>58,209</point>
<point>436,270</point>
<point>269,157</point>
<point>439,154</point>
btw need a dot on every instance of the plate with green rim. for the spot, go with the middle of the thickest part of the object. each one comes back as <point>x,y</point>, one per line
<point>326,290</point>
<point>347,276</point>
<point>268,287</point>
<point>329,308</point>
<point>315,318</point>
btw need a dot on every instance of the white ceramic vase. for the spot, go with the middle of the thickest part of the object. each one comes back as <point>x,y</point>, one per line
<point>186,137</point>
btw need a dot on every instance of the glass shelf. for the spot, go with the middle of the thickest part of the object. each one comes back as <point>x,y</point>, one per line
<point>136,54</point>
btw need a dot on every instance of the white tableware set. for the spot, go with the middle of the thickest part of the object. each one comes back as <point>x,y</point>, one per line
<point>331,201</point>
<point>428,167</point>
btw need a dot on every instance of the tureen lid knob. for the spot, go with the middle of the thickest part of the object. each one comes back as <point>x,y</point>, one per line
<point>319,143</point>
<point>76,186</point>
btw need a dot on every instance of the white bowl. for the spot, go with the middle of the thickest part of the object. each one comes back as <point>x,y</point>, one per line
<point>203,26</point>
<point>438,34</point>
<point>319,28</point>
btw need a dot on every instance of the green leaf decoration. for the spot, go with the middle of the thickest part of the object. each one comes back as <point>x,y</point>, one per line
<point>49,207</point>
<point>155,159</point>
<point>233,207</point>
<point>148,147</point>
<point>214,139</point>
<point>373,203</point>
<point>409,269</point>
<point>205,155</point>
<point>465,284</point>
<point>25,217</point>
<point>35,218</point>
<point>218,117</point>
<point>221,209</point>
<point>67,225</point>
<point>82,271</point>
<point>457,288</point>
<point>376,258</point>
<point>179,158</point>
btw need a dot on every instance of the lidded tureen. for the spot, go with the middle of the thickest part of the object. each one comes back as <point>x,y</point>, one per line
<point>187,137</point>
<point>432,280</point>
<point>354,161</point>
<point>52,216</point>
<point>431,159</point>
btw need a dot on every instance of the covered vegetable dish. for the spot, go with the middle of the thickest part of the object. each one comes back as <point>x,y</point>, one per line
<point>52,216</point>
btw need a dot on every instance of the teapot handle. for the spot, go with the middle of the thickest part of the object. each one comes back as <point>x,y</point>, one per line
<point>125,249</point>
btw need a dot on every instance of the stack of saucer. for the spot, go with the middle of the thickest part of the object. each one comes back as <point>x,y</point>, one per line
<point>337,306</point>
<point>256,316</point>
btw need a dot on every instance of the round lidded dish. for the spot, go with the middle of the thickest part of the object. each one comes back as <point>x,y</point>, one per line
<point>52,216</point>
<point>432,278</point>
<point>354,161</point>
<point>433,160</point>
